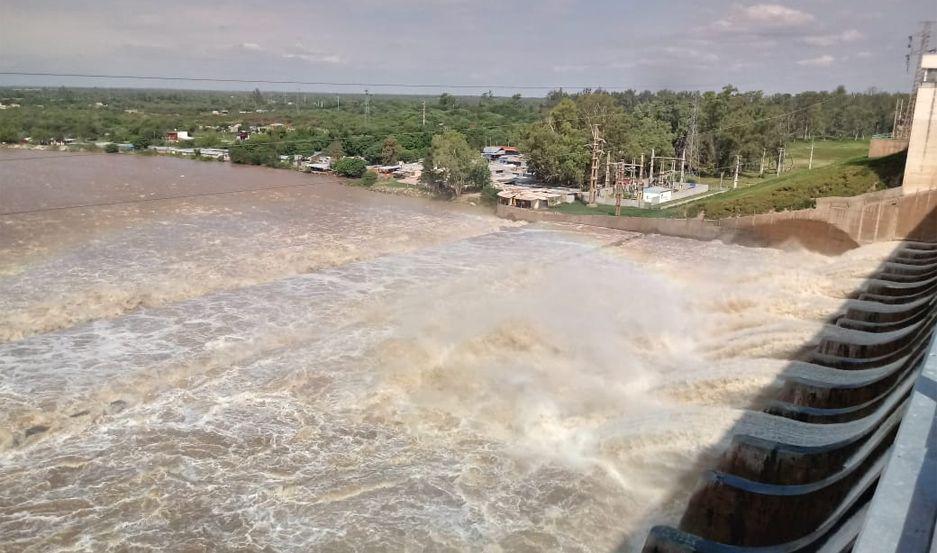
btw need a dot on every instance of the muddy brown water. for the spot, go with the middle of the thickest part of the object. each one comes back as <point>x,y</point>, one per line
<point>319,367</point>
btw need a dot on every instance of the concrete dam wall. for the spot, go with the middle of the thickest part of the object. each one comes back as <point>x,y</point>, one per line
<point>840,455</point>
<point>833,446</point>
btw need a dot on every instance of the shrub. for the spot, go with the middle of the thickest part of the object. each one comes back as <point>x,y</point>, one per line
<point>351,167</point>
<point>489,194</point>
<point>368,179</point>
<point>111,148</point>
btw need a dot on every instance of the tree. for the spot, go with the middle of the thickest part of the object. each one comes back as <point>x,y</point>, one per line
<point>453,166</point>
<point>351,167</point>
<point>558,150</point>
<point>368,178</point>
<point>9,134</point>
<point>447,101</point>
<point>559,158</point>
<point>335,150</point>
<point>390,151</point>
<point>257,150</point>
<point>257,97</point>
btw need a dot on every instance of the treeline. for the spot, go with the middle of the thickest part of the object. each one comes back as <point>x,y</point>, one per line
<point>359,123</point>
<point>710,127</point>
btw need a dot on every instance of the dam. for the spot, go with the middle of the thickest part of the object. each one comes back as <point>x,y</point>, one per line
<point>317,367</point>
<point>833,460</point>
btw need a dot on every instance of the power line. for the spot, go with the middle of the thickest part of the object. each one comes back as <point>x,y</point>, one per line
<point>327,83</point>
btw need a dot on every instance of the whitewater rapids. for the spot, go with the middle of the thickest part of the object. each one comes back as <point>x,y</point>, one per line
<point>330,371</point>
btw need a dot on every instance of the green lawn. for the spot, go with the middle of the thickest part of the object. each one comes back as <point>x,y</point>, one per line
<point>797,155</point>
<point>826,152</point>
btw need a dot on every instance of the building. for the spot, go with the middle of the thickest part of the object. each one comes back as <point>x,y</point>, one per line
<point>920,172</point>
<point>492,153</point>
<point>176,136</point>
<point>655,195</point>
<point>535,197</point>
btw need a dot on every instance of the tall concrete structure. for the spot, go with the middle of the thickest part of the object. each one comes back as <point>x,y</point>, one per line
<point>921,168</point>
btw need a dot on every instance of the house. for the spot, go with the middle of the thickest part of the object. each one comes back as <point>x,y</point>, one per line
<point>534,197</point>
<point>176,136</point>
<point>216,153</point>
<point>494,152</point>
<point>657,195</point>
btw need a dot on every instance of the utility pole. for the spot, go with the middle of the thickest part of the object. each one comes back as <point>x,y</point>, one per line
<point>735,179</point>
<point>641,172</point>
<point>424,113</point>
<point>338,103</point>
<point>780,160</point>
<point>682,166</point>
<point>761,171</point>
<point>894,125</point>
<point>651,176</point>
<point>810,163</point>
<point>594,172</point>
<point>619,182</point>
<point>608,164</point>
<point>367,104</point>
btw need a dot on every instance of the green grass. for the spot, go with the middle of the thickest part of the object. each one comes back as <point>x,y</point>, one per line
<point>799,189</point>
<point>577,208</point>
<point>826,152</point>
<point>797,155</point>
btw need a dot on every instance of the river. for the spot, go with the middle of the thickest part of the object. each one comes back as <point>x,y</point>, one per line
<point>214,357</point>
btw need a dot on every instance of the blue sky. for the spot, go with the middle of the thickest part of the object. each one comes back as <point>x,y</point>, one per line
<point>678,44</point>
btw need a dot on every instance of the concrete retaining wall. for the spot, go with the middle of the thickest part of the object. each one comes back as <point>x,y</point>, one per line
<point>835,225</point>
<point>881,147</point>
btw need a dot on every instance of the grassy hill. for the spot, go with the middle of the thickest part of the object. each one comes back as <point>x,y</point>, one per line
<point>797,156</point>
<point>799,190</point>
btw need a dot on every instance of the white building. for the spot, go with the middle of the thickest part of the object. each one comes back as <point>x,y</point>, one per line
<point>657,195</point>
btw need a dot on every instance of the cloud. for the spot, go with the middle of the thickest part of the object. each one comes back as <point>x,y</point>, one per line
<point>301,52</point>
<point>763,17</point>
<point>850,35</point>
<point>252,46</point>
<point>825,60</point>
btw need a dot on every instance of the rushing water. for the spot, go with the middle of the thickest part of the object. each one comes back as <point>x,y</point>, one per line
<point>317,367</point>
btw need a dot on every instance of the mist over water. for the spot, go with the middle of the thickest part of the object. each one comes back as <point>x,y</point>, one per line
<point>332,370</point>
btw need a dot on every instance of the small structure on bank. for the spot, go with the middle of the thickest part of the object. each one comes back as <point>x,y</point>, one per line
<point>530,197</point>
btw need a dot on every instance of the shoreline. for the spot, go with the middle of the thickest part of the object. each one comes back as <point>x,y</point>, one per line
<point>467,201</point>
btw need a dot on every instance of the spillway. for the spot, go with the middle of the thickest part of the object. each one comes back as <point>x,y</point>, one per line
<point>832,467</point>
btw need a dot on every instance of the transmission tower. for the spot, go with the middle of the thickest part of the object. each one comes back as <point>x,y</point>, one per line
<point>691,152</point>
<point>597,142</point>
<point>917,47</point>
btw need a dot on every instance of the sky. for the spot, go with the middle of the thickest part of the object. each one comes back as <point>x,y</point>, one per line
<point>776,46</point>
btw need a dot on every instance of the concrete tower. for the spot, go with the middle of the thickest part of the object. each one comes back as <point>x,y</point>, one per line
<point>920,172</point>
